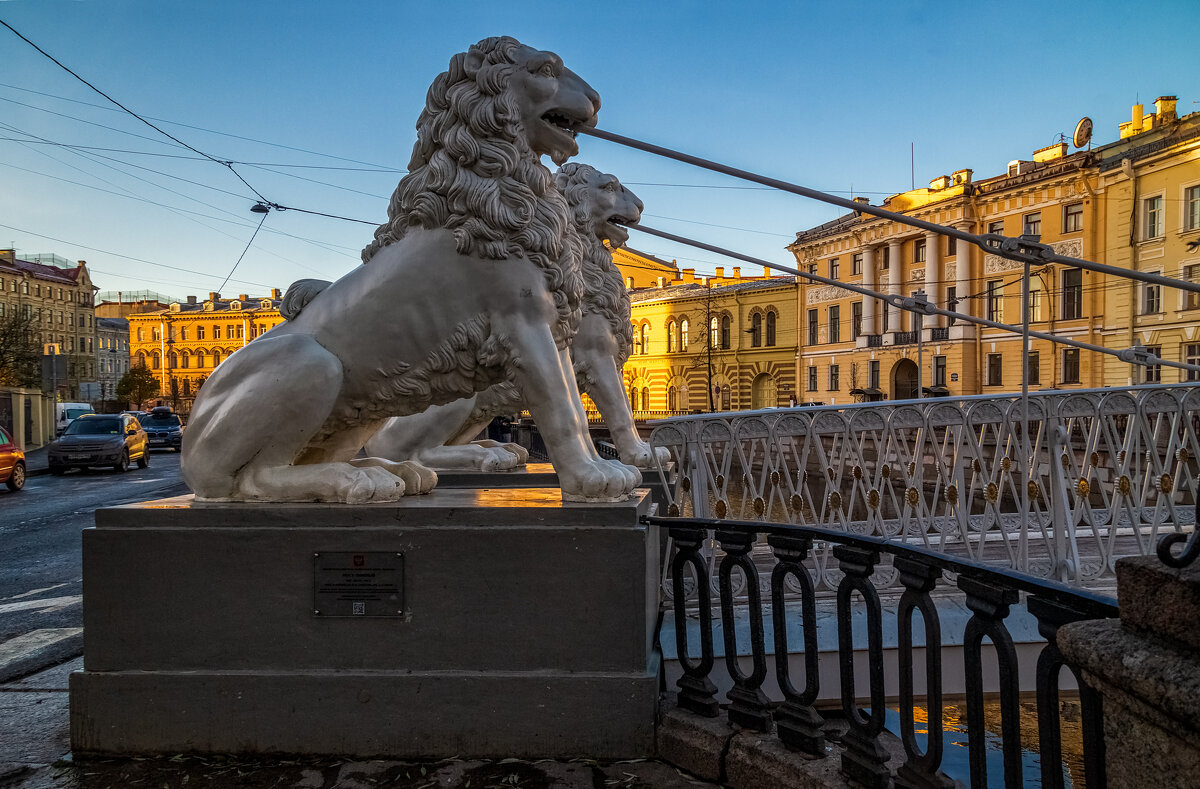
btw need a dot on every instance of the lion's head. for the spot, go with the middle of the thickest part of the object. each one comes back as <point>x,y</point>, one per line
<point>476,169</point>
<point>600,209</point>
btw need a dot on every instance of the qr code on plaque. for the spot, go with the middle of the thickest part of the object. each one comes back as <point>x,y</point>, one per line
<point>358,608</point>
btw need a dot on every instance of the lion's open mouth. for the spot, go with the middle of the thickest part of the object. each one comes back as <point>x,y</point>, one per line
<point>563,122</point>
<point>615,226</point>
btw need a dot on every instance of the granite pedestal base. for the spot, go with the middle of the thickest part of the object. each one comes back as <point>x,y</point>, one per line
<point>543,475</point>
<point>525,628</point>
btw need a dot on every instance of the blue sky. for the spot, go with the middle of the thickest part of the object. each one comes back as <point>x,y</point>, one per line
<point>831,95</point>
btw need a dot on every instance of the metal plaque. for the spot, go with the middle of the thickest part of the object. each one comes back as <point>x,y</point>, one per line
<point>358,583</point>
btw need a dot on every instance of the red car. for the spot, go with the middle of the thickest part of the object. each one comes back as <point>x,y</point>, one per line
<point>12,462</point>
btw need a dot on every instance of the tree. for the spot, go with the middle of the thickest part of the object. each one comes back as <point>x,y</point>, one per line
<point>20,355</point>
<point>138,385</point>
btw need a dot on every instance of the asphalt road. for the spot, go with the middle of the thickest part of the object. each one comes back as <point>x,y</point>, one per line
<point>40,566</point>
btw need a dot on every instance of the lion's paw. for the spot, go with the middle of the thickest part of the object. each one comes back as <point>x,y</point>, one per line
<point>499,458</point>
<point>521,452</point>
<point>417,478</point>
<point>371,485</point>
<point>642,455</point>
<point>599,480</point>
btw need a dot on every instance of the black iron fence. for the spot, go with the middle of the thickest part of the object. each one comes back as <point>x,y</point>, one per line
<point>989,595</point>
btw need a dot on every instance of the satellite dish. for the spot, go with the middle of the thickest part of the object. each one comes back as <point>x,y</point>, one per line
<point>1083,132</point>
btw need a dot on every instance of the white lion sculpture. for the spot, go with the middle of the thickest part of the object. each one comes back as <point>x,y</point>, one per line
<point>441,437</point>
<point>472,281</point>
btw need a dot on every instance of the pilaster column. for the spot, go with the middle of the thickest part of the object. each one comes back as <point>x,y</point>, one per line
<point>962,278</point>
<point>935,288</point>
<point>895,316</point>
<point>868,282</point>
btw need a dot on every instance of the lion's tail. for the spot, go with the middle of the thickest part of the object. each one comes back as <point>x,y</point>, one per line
<point>299,294</point>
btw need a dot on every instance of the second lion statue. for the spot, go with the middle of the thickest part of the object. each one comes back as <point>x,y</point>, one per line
<point>441,437</point>
<point>473,280</point>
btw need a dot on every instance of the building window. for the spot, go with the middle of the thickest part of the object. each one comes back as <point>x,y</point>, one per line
<point>1035,367</point>
<point>1191,355</point>
<point>994,369</point>
<point>939,371</point>
<point>1151,298</point>
<point>833,268</point>
<point>1191,208</point>
<point>812,327</point>
<point>771,321</point>
<point>951,304</point>
<point>1035,303</point>
<point>199,332</point>
<point>646,398</point>
<point>141,335</point>
<point>216,358</point>
<point>725,324</point>
<point>645,338</point>
<point>919,251</point>
<point>756,330</point>
<point>155,363</point>
<point>835,323</point>
<point>183,333</point>
<point>683,335</point>
<point>951,246</point>
<point>996,227</point>
<point>633,398</point>
<point>886,261</point>
<point>1191,300</point>
<point>856,263</point>
<point>995,300</point>
<point>185,360</point>
<point>1072,293</point>
<point>1073,218</point>
<point>156,334</point>
<point>1032,226</point>
<point>855,320</point>
<point>1152,217</point>
<point>884,308</point>
<point>833,378</point>
<point>199,359</point>
<point>1153,372</point>
<point>672,399</point>
<point>671,328</point>
<point>873,374</point>
<point>714,333</point>
<point>241,331</point>
<point>1070,365</point>
<point>812,378</point>
<point>812,268</point>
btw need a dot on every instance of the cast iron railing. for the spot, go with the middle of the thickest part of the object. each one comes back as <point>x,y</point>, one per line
<point>904,338</point>
<point>1058,486</point>
<point>938,333</point>
<point>874,340</point>
<point>989,592</point>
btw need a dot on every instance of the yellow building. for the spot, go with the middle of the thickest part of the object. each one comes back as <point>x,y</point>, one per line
<point>1150,180</point>
<point>712,343</point>
<point>184,343</point>
<point>856,348</point>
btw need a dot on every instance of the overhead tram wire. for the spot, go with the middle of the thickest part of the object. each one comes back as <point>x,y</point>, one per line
<point>1011,248</point>
<point>908,303</point>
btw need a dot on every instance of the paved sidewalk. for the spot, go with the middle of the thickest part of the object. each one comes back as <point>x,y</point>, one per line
<point>35,754</point>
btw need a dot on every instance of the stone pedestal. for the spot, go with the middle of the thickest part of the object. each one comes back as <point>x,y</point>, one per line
<point>522,627</point>
<point>1146,666</point>
<point>543,475</point>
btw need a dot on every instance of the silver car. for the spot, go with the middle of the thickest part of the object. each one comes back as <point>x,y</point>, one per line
<point>100,440</point>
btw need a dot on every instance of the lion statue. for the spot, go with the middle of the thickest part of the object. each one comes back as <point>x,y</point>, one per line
<point>441,437</point>
<point>473,280</point>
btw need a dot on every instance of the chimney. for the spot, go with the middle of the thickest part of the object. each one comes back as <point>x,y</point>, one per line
<point>1136,118</point>
<point>243,297</point>
<point>191,300</point>
<point>767,269</point>
<point>8,255</point>
<point>690,274</point>
<point>81,262</point>
<point>275,294</point>
<point>939,183</point>
<point>863,200</point>
<point>629,283</point>
<point>962,177</point>
<point>214,296</point>
<point>1164,108</point>
<point>737,272</point>
<point>720,271</point>
<point>1056,151</point>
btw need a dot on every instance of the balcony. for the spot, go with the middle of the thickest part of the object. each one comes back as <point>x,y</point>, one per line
<point>939,333</point>
<point>874,340</point>
<point>904,338</point>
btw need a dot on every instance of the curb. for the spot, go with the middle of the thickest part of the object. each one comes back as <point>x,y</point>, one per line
<point>45,657</point>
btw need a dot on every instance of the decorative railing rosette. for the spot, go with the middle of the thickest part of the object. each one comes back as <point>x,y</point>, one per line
<point>926,577</point>
<point>1059,485</point>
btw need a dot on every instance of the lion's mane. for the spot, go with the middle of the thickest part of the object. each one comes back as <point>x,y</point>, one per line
<point>604,290</point>
<point>472,172</point>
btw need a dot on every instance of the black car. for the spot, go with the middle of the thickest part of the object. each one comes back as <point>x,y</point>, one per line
<point>163,427</point>
<point>100,440</point>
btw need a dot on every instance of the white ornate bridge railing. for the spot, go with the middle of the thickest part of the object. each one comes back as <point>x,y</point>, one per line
<point>1106,472</point>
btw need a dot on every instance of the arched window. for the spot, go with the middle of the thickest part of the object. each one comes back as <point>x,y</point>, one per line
<point>645,338</point>
<point>199,359</point>
<point>633,398</point>
<point>141,359</point>
<point>671,327</point>
<point>725,331</point>
<point>172,361</point>
<point>154,360</point>
<point>216,358</point>
<point>645,398</point>
<point>756,330</point>
<point>672,399</point>
<point>683,335</point>
<point>185,360</point>
<point>714,333</point>
<point>771,328</point>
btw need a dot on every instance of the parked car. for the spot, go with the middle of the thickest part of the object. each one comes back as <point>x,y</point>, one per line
<point>12,462</point>
<point>100,440</point>
<point>66,413</point>
<point>164,428</point>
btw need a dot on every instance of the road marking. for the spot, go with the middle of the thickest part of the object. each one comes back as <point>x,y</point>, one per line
<point>17,648</point>
<point>34,591</point>
<point>50,604</point>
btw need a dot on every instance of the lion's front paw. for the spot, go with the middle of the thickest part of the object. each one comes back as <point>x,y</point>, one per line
<point>417,478</point>
<point>370,485</point>
<point>499,458</point>
<point>642,455</point>
<point>599,480</point>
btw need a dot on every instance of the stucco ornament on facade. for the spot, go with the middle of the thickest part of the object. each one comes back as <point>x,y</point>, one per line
<point>441,437</point>
<point>994,264</point>
<point>473,280</point>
